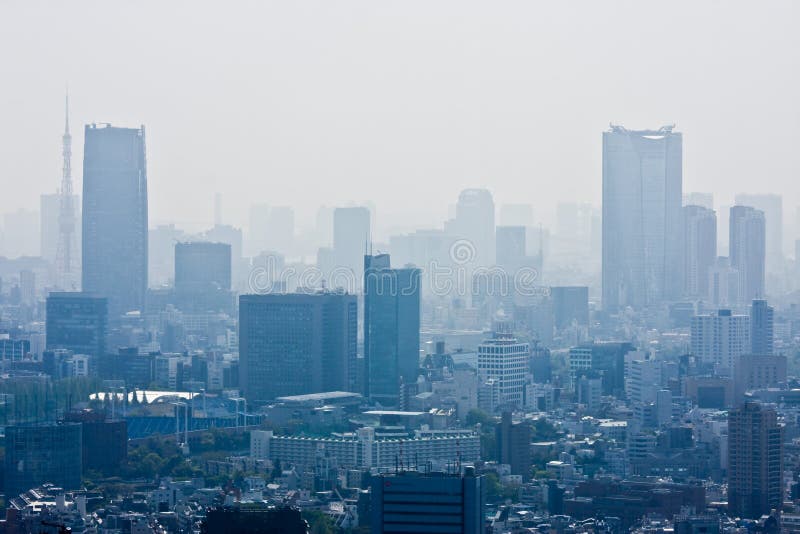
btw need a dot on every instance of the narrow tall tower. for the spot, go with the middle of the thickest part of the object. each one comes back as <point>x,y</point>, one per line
<point>66,217</point>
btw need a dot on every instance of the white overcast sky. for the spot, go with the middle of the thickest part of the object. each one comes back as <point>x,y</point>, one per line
<point>399,103</point>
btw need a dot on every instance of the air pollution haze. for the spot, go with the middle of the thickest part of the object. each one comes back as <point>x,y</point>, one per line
<point>398,104</point>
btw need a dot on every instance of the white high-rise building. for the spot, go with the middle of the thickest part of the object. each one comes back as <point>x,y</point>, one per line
<point>505,360</point>
<point>720,339</point>
<point>748,250</point>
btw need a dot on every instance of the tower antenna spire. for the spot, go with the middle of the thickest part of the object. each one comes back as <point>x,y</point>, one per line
<point>66,214</point>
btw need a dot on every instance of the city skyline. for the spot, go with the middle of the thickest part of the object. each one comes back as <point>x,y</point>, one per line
<point>547,150</point>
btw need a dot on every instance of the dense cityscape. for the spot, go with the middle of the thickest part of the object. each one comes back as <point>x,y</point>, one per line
<point>631,364</point>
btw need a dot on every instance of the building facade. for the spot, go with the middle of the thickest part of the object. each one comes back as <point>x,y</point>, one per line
<point>642,219</point>
<point>294,344</point>
<point>114,233</point>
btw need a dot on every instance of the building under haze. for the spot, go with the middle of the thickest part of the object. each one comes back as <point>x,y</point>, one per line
<point>762,328</point>
<point>720,339</point>
<point>474,223</point>
<point>755,461</point>
<point>294,344</point>
<point>391,329</point>
<point>700,252</point>
<point>41,453</point>
<point>642,218</point>
<point>351,234</point>
<point>114,234</point>
<point>748,250</point>
<point>772,206</point>
<point>77,322</point>
<point>203,276</point>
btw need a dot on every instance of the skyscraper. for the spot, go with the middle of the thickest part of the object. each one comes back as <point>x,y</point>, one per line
<point>474,222</point>
<point>772,206</point>
<point>755,461</point>
<point>720,339</point>
<point>510,244</point>
<point>700,240</point>
<point>391,329</point>
<point>203,276</point>
<point>351,234</point>
<point>505,359</point>
<point>747,250</point>
<point>77,322</point>
<point>762,328</point>
<point>642,220</point>
<point>115,217</point>
<point>570,304</point>
<point>294,344</point>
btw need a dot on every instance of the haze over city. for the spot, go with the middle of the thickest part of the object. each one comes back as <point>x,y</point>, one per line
<point>364,266</point>
<point>399,104</point>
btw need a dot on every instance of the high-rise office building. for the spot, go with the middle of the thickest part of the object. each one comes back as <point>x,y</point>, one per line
<point>77,322</point>
<point>203,276</point>
<point>724,288</point>
<point>603,358</point>
<point>474,222</point>
<point>351,235</point>
<point>700,253</point>
<point>513,440</point>
<point>410,501</point>
<point>747,250</point>
<point>642,219</point>
<point>762,320</point>
<point>755,461</point>
<point>36,454</point>
<point>720,339</point>
<point>114,231</point>
<point>391,329</point>
<point>510,246</point>
<point>772,206</point>
<point>294,344</point>
<point>505,359</point>
<point>570,306</point>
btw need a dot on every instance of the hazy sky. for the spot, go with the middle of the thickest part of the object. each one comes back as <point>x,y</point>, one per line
<point>400,103</point>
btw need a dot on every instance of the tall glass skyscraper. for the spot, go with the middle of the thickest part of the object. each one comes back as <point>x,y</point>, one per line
<point>391,329</point>
<point>642,218</point>
<point>115,217</point>
<point>748,250</point>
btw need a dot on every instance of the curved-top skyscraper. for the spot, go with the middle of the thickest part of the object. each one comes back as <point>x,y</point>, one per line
<point>642,218</point>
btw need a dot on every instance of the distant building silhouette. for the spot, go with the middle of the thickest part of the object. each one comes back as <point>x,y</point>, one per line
<point>114,230</point>
<point>747,250</point>
<point>642,238</point>
<point>700,239</point>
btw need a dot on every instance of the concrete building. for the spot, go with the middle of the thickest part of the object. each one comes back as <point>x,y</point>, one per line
<point>504,359</point>
<point>700,253</point>
<point>755,461</point>
<point>720,339</point>
<point>748,250</point>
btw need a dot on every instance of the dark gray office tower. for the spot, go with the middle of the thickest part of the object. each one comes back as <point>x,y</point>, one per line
<point>37,454</point>
<point>748,250</point>
<point>642,220</point>
<point>351,233</point>
<point>762,328</point>
<point>391,329</point>
<point>510,243</point>
<point>570,305</point>
<point>115,217</point>
<point>700,240</point>
<point>514,445</point>
<point>755,461</point>
<point>410,501</point>
<point>294,344</point>
<point>203,276</point>
<point>77,322</point>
